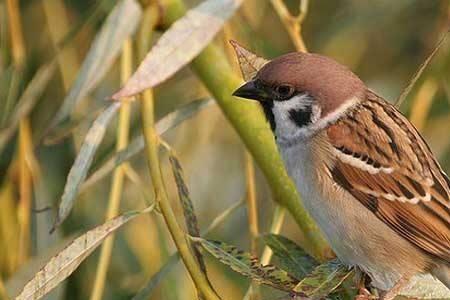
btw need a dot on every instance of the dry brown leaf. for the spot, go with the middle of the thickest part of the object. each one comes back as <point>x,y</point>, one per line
<point>249,62</point>
<point>68,260</point>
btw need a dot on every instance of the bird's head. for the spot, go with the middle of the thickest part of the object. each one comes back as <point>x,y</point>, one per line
<point>302,93</point>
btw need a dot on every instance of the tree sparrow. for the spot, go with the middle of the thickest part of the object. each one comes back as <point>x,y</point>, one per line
<point>366,175</point>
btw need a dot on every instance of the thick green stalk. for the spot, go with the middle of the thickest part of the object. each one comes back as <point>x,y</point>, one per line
<point>246,117</point>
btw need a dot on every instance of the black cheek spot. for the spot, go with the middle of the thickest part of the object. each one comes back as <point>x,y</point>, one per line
<point>301,117</point>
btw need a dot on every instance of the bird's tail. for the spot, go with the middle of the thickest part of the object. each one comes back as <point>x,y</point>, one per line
<point>443,274</point>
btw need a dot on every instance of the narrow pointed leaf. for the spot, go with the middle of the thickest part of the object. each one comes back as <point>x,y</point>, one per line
<point>120,24</point>
<point>27,271</point>
<point>290,257</point>
<point>83,161</point>
<point>66,129</point>
<point>184,40</point>
<point>186,204</point>
<point>68,260</point>
<point>27,101</point>
<point>170,121</point>
<point>249,62</point>
<point>323,280</point>
<point>244,263</point>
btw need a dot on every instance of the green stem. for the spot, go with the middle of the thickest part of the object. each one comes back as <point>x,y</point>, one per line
<point>246,117</point>
<point>151,147</point>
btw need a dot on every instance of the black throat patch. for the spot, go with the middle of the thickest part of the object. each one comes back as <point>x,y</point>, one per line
<point>301,117</point>
<point>267,108</point>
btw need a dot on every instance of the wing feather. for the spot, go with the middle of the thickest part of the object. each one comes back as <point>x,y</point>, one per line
<point>393,175</point>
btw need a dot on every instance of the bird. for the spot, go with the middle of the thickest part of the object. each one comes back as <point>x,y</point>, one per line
<point>366,175</point>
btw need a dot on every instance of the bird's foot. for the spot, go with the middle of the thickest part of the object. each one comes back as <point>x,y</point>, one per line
<point>364,294</point>
<point>393,292</point>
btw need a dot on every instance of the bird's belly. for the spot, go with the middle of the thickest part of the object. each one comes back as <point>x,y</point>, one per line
<point>356,236</point>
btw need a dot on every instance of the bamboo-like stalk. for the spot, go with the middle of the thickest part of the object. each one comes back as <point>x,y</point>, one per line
<point>118,176</point>
<point>16,34</point>
<point>212,68</point>
<point>252,215</point>
<point>25,191</point>
<point>151,148</point>
<point>25,137</point>
<point>251,203</point>
<point>58,26</point>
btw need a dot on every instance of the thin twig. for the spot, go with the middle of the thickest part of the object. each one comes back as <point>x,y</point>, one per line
<point>419,72</point>
<point>118,176</point>
<point>275,228</point>
<point>222,217</point>
<point>251,203</point>
<point>252,214</point>
<point>25,137</point>
<point>293,24</point>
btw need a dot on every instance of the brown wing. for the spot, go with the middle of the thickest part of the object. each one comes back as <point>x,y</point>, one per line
<point>385,164</point>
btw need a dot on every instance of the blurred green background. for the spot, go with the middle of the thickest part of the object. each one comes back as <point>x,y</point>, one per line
<point>382,41</point>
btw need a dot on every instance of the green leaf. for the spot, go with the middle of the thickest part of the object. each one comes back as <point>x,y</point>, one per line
<point>290,257</point>
<point>83,161</point>
<point>64,130</point>
<point>183,41</point>
<point>170,121</point>
<point>186,203</point>
<point>27,101</point>
<point>323,280</point>
<point>244,263</point>
<point>65,262</point>
<point>120,24</point>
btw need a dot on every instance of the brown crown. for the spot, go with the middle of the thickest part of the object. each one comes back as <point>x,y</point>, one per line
<point>329,82</point>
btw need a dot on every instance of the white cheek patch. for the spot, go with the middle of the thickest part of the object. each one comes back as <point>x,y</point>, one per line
<point>318,124</point>
<point>298,102</point>
<point>285,126</point>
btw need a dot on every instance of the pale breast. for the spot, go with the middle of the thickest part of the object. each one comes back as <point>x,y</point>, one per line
<point>354,233</point>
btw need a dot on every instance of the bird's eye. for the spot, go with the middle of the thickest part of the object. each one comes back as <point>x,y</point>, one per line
<point>284,91</point>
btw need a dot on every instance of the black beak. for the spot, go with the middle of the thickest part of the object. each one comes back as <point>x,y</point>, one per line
<point>250,91</point>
